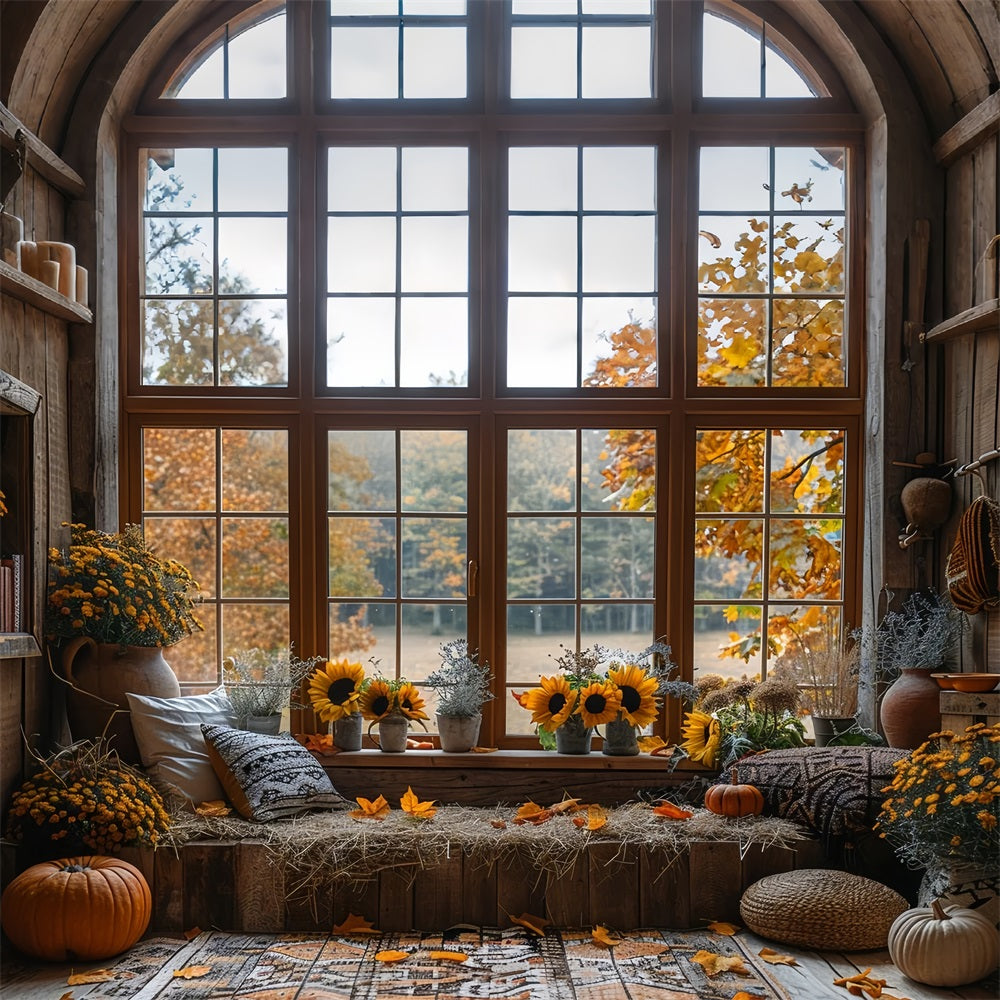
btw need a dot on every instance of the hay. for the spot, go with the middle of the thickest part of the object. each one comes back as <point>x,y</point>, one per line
<point>319,848</point>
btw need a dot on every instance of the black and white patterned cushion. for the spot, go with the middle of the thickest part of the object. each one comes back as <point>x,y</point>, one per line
<point>268,777</point>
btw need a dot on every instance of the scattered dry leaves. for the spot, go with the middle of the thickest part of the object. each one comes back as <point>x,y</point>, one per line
<point>602,936</point>
<point>566,805</point>
<point>862,984</point>
<point>721,927</point>
<point>647,744</point>
<point>450,956</point>
<point>391,956</point>
<point>743,995</point>
<point>498,824</point>
<point>94,976</point>
<point>534,924</point>
<point>669,811</point>
<point>419,745</point>
<point>68,995</point>
<point>775,958</point>
<point>484,750</point>
<point>532,812</point>
<point>412,806</point>
<point>215,807</point>
<point>355,925</point>
<point>192,972</point>
<point>191,934</point>
<point>320,743</point>
<point>378,809</point>
<point>713,964</point>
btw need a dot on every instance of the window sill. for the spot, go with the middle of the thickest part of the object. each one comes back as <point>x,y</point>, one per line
<point>18,645</point>
<point>498,759</point>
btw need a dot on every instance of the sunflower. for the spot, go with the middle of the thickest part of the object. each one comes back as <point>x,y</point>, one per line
<point>599,702</point>
<point>702,735</point>
<point>551,704</point>
<point>334,689</point>
<point>378,699</point>
<point>638,692</point>
<point>409,702</point>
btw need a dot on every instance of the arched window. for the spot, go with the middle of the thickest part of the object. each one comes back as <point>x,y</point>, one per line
<point>447,340</point>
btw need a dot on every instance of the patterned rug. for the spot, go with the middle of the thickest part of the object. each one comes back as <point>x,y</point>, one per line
<point>502,963</point>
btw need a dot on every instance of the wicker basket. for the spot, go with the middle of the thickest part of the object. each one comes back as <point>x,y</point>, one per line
<point>822,909</point>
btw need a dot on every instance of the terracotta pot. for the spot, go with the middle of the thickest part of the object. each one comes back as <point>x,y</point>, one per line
<point>101,674</point>
<point>458,734</point>
<point>911,709</point>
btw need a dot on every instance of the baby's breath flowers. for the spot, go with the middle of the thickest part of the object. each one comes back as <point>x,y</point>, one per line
<point>944,800</point>
<point>112,588</point>
<point>84,798</point>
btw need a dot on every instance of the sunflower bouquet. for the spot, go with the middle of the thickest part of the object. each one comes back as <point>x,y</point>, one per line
<point>944,800</point>
<point>336,688</point>
<point>731,718</point>
<point>384,697</point>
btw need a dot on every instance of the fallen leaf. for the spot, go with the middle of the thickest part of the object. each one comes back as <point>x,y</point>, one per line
<point>391,956</point>
<point>713,964</point>
<point>721,927</point>
<point>669,811</point>
<point>216,807</point>
<point>567,805</point>
<point>320,743</point>
<point>602,936</point>
<point>743,995</point>
<point>596,817</point>
<point>419,745</point>
<point>647,744</point>
<point>498,824</point>
<point>192,972</point>
<point>774,958</point>
<point>484,750</point>
<point>68,995</point>
<point>450,956</point>
<point>532,812</point>
<point>94,976</point>
<point>192,934</point>
<point>862,984</point>
<point>664,751</point>
<point>378,809</point>
<point>355,925</point>
<point>534,924</point>
<point>412,806</point>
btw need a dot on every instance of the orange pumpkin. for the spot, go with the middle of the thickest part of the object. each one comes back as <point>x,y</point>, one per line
<point>734,799</point>
<point>78,909</point>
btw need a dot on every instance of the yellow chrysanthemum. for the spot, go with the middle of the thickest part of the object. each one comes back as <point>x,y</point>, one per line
<point>598,703</point>
<point>551,704</point>
<point>702,735</point>
<point>335,688</point>
<point>377,700</point>
<point>410,703</point>
<point>637,690</point>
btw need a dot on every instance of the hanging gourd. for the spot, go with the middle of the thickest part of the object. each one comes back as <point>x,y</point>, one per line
<point>79,909</point>
<point>944,945</point>
<point>734,799</point>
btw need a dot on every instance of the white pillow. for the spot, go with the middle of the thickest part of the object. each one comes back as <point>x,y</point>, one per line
<point>173,751</point>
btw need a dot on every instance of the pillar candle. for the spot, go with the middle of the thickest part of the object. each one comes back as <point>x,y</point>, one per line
<point>65,255</point>
<point>48,272</point>
<point>27,258</point>
<point>82,288</point>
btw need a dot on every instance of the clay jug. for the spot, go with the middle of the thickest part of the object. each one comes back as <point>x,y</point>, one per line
<point>100,674</point>
<point>911,709</point>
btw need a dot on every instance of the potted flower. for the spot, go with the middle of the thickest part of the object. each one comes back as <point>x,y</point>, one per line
<point>335,691</point>
<point>114,605</point>
<point>391,704</point>
<point>462,685</point>
<point>260,684</point>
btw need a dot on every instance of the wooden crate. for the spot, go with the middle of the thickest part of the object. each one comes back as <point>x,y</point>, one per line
<point>960,709</point>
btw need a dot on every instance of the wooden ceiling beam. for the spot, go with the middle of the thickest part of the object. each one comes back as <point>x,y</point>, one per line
<point>976,127</point>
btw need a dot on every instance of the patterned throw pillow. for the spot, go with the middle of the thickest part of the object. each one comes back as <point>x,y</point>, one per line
<point>268,777</point>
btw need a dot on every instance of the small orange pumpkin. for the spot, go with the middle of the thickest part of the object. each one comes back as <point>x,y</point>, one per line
<point>734,799</point>
<point>83,909</point>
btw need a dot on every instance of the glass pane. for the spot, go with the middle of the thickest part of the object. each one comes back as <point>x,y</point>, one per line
<point>179,342</point>
<point>730,471</point>
<point>542,254</point>
<point>731,58</point>
<point>533,633</point>
<point>178,469</point>
<point>253,342</point>
<point>543,6</point>
<point>808,254</point>
<point>616,557</point>
<point>727,641</point>
<point>362,470</point>
<point>434,342</point>
<point>424,628</point>
<point>253,256</point>
<point>733,254</point>
<point>178,255</point>
<point>363,62</point>
<point>362,557</point>
<point>734,178</point>
<point>245,626</point>
<point>808,342</point>
<point>728,556</point>
<point>191,541</point>
<point>253,180</point>
<point>435,254</point>
<point>732,342</point>
<point>196,659</point>
<point>809,178</point>
<point>807,471</point>
<point>255,470</point>
<point>541,470</point>
<point>619,342</point>
<point>448,8</point>
<point>361,255</point>
<point>543,62</point>
<point>361,631</point>
<point>435,179</point>
<point>433,552</point>
<point>619,179</point>
<point>619,254</point>
<point>433,471</point>
<point>255,557</point>
<point>541,342</point>
<point>178,180</point>
<point>782,79</point>
<point>541,558</point>
<point>616,626</point>
<point>616,62</point>
<point>361,179</point>
<point>347,8</point>
<point>618,469</point>
<point>257,60</point>
<point>434,62</point>
<point>361,342</point>
<point>804,558</point>
<point>543,178</point>
<point>619,7</point>
<point>205,81</point>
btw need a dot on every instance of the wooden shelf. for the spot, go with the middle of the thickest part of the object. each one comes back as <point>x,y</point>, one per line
<point>35,293</point>
<point>979,319</point>
<point>39,157</point>
<point>18,645</point>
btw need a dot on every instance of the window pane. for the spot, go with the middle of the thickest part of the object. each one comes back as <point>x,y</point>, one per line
<point>541,342</point>
<point>729,468</point>
<point>619,342</point>
<point>809,178</point>
<point>452,8</point>
<point>544,178</point>
<point>424,628</point>
<point>362,557</point>
<point>247,625</point>
<point>732,342</point>
<point>361,255</point>
<point>543,62</point>
<point>362,470</point>
<point>434,62</point>
<point>257,60</point>
<point>253,342</point>
<point>179,469</point>
<point>731,58</point>
<point>727,640</point>
<point>541,470</point>
<point>206,81</point>
<point>362,179</point>
<point>434,341</point>
<point>734,178</point>
<point>253,180</point>
<point>733,253</point>
<point>433,554</point>
<point>618,469</point>
<point>179,180</point>
<point>435,254</point>
<point>804,558</point>
<point>616,62</point>
<point>782,79</point>
<point>728,556</point>
<point>619,254</point>
<point>808,254</point>
<point>178,342</point>
<point>808,342</point>
<point>434,179</point>
<point>616,557</point>
<point>542,254</point>
<point>348,8</point>
<point>807,471</point>
<point>534,631</point>
<point>178,255</point>
<point>618,179</point>
<point>433,471</point>
<point>253,255</point>
<point>361,342</point>
<point>363,62</point>
<point>255,557</point>
<point>616,626</point>
<point>363,631</point>
<point>254,470</point>
<point>189,540</point>
<point>541,560</point>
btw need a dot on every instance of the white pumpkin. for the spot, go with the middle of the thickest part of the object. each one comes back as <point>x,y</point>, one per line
<point>944,946</point>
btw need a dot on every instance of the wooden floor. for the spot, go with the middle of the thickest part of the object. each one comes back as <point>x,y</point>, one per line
<point>811,979</point>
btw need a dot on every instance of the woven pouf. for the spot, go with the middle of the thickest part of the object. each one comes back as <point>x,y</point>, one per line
<point>822,909</point>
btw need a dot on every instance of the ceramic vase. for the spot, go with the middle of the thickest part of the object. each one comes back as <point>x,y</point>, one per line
<point>268,725</point>
<point>458,734</point>
<point>911,709</point>
<point>620,739</point>
<point>572,737</point>
<point>347,732</point>
<point>392,734</point>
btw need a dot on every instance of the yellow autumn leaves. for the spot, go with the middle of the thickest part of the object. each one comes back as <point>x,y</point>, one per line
<point>379,808</point>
